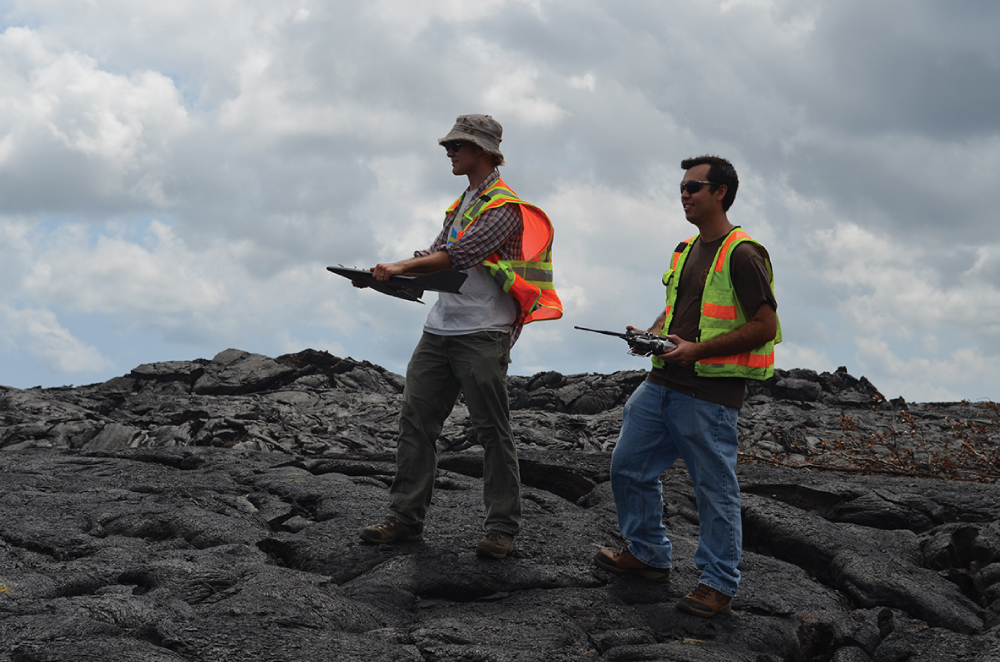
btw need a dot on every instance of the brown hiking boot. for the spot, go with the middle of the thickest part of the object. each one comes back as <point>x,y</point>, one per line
<point>705,602</point>
<point>625,563</point>
<point>392,530</point>
<point>496,544</point>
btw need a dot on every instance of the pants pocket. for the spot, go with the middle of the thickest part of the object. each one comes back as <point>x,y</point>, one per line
<point>502,340</point>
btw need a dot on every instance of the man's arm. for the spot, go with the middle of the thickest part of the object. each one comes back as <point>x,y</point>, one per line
<point>657,325</point>
<point>421,264</point>
<point>481,240</point>
<point>439,243</point>
<point>491,233</point>
<point>761,328</point>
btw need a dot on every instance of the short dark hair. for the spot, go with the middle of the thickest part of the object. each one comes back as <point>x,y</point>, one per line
<point>720,171</point>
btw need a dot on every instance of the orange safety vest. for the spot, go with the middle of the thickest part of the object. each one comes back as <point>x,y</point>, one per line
<point>528,280</point>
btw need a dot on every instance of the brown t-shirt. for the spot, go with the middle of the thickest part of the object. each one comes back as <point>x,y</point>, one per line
<point>749,274</point>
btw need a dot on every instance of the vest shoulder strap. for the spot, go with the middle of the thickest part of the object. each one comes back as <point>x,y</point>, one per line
<point>679,251</point>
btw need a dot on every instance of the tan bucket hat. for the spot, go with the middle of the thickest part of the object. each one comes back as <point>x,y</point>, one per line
<point>481,130</point>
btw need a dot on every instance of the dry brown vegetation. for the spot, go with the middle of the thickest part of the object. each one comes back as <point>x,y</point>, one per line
<point>970,451</point>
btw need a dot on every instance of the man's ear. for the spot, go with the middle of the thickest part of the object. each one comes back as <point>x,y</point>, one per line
<point>722,189</point>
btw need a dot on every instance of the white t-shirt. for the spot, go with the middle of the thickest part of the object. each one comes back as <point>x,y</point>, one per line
<point>481,304</point>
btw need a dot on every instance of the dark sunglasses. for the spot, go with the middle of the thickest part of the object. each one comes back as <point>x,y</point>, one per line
<point>453,145</point>
<point>694,186</point>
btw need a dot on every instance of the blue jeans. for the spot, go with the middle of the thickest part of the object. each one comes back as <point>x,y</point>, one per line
<point>658,426</point>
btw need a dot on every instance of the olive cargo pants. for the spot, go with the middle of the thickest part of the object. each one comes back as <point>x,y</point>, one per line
<point>441,367</point>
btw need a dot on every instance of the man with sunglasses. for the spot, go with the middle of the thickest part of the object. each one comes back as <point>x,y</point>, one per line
<point>721,314</point>
<point>504,245</point>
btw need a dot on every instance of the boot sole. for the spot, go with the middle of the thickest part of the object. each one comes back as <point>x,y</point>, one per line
<point>493,555</point>
<point>389,541</point>
<point>645,574</point>
<point>652,575</point>
<point>704,614</point>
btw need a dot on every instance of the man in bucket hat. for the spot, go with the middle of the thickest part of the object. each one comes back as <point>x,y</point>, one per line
<point>481,130</point>
<point>505,246</point>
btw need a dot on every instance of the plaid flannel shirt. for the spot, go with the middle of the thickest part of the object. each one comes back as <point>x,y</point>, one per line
<point>496,231</point>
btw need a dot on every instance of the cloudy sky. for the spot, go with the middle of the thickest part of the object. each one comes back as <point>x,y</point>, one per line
<point>175,176</point>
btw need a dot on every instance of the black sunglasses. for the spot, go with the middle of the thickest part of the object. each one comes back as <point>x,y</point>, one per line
<point>694,186</point>
<point>453,145</point>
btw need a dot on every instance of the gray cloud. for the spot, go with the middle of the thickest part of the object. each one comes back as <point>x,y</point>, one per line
<point>183,173</point>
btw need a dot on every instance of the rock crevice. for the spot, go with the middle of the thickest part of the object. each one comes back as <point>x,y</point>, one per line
<point>208,510</point>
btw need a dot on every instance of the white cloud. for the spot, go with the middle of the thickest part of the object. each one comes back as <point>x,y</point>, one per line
<point>789,355</point>
<point>66,122</point>
<point>927,378</point>
<point>117,275</point>
<point>39,334</point>
<point>585,82</point>
<point>515,94</point>
<point>608,253</point>
<point>895,286</point>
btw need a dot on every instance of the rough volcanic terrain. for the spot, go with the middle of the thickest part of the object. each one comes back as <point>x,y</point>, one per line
<point>208,511</point>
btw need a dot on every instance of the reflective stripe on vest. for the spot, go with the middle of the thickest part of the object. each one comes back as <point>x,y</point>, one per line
<point>734,236</point>
<point>673,266</point>
<point>678,252</point>
<point>721,313</point>
<point>758,361</point>
<point>528,281</point>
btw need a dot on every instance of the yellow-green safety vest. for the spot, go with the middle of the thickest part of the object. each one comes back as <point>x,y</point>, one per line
<point>721,312</point>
